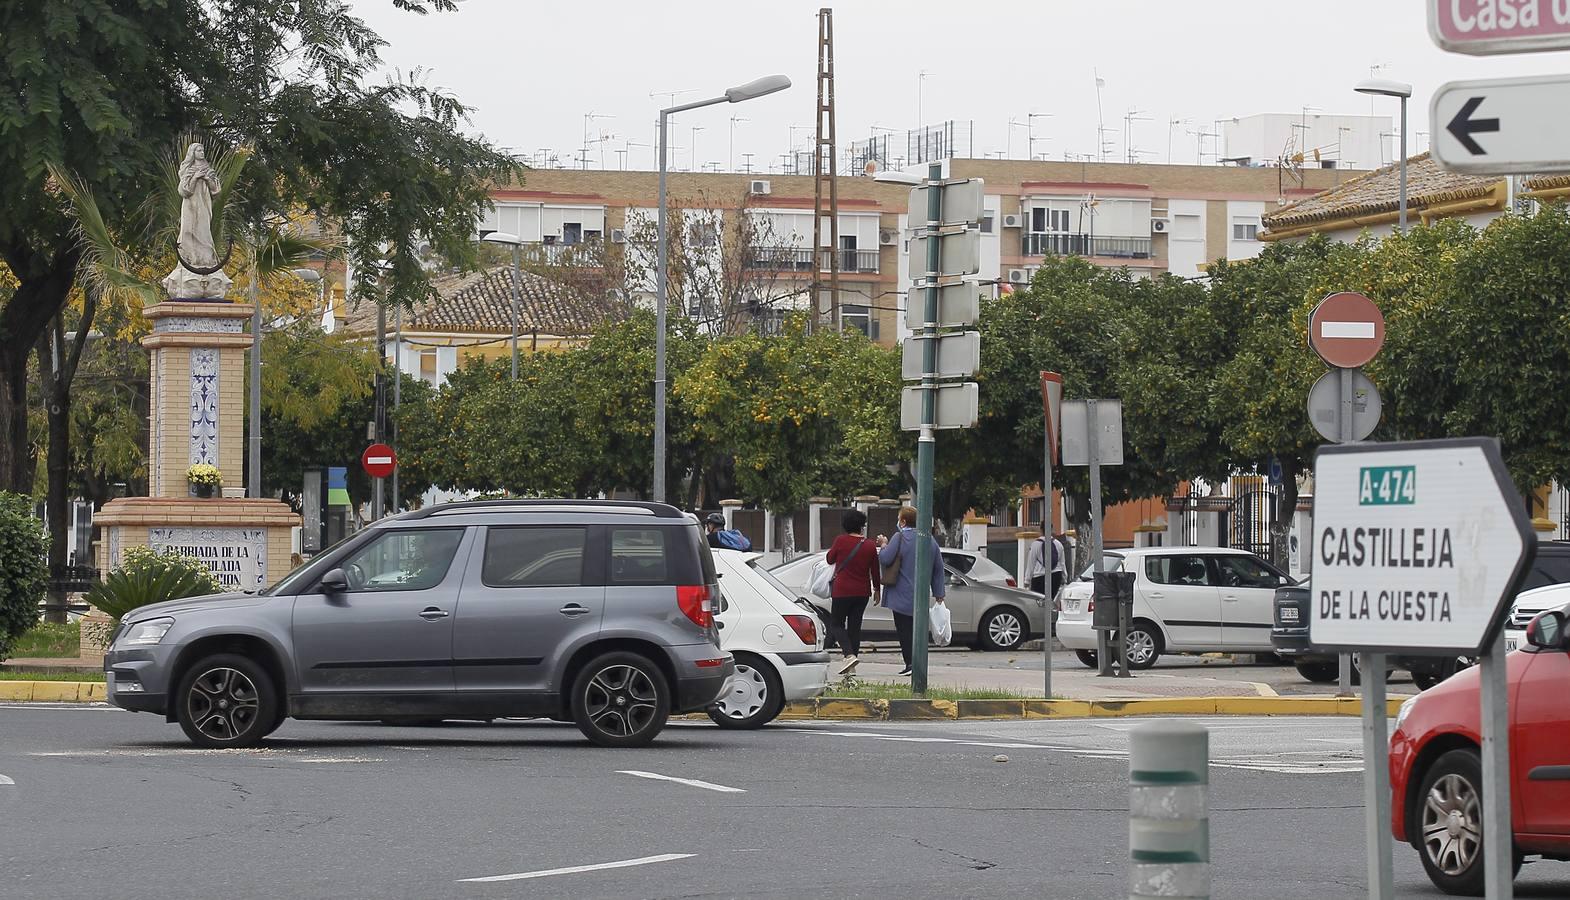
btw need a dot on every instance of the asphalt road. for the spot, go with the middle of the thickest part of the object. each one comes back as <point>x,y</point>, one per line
<point>112,804</point>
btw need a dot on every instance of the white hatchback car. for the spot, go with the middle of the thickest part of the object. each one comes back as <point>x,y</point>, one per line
<point>778,644</point>
<point>1186,599</point>
<point>1527,606</point>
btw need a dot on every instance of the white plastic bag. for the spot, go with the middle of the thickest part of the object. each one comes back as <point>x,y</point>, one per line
<point>821,585</point>
<point>940,624</point>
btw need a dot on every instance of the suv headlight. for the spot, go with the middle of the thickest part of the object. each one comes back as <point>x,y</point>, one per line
<point>1401,713</point>
<point>140,634</point>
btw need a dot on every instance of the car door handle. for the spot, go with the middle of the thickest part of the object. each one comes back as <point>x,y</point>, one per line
<point>1156,595</point>
<point>1230,598</point>
<point>574,609</point>
<point>431,613</point>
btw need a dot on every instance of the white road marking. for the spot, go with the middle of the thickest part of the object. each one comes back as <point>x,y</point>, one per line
<point>5,780</point>
<point>1264,690</point>
<point>920,740</point>
<point>1347,330</point>
<point>690,782</point>
<point>572,870</point>
<point>1003,746</point>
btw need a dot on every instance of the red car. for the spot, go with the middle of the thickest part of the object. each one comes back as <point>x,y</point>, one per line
<point>1436,769</point>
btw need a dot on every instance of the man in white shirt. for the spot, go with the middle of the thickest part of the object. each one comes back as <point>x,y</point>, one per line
<point>1038,564</point>
<point>1059,564</point>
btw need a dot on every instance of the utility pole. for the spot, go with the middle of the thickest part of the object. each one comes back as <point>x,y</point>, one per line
<point>824,146</point>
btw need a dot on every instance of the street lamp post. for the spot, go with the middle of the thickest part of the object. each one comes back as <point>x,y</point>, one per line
<point>502,237</point>
<point>749,91</point>
<point>1382,87</point>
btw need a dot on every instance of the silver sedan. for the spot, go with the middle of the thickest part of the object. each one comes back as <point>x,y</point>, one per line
<point>990,617</point>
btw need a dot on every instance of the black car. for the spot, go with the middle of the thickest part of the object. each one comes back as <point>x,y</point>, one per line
<point>1289,633</point>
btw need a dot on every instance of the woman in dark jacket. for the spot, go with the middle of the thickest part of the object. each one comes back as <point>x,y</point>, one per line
<point>855,561</point>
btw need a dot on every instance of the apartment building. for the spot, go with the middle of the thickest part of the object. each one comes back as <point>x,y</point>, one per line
<point>1149,218</point>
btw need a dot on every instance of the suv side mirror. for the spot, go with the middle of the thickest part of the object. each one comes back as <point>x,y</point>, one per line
<point>1547,631</point>
<point>335,581</point>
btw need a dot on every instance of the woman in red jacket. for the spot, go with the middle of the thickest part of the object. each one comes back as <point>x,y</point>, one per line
<point>855,561</point>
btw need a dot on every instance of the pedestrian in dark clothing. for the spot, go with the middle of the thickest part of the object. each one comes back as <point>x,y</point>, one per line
<point>900,597</point>
<point>855,560</point>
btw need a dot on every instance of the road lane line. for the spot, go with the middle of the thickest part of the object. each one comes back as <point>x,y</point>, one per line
<point>573,870</point>
<point>5,780</point>
<point>690,782</point>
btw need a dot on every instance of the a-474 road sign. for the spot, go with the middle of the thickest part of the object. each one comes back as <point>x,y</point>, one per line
<point>1503,126</point>
<point>1417,545</point>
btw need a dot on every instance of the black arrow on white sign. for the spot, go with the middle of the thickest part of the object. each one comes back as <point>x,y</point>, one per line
<point>1463,126</point>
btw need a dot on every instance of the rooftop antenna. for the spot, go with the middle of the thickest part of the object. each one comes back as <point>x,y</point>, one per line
<point>1101,122</point>
<point>1134,115</point>
<point>588,119</point>
<point>733,121</point>
<point>1172,125</point>
<point>823,147</point>
<point>1030,131</point>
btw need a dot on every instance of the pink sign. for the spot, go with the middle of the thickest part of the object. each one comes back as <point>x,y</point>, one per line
<point>1499,26</point>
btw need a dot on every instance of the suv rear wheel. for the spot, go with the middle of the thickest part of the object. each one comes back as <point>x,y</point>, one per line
<point>227,700</point>
<point>620,699</point>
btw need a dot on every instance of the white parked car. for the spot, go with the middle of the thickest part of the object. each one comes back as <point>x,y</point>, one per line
<point>778,644</point>
<point>1186,600</point>
<point>1527,606</point>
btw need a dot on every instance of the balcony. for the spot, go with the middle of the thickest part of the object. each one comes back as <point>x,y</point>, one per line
<point>1068,244</point>
<point>799,259</point>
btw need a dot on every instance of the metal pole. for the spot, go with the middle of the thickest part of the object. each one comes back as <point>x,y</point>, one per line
<point>1046,556</point>
<point>517,284</point>
<point>1103,643</point>
<point>1498,839</point>
<point>1403,165</point>
<point>1348,433</point>
<point>397,392</point>
<point>926,444</point>
<point>253,480</point>
<point>1169,811</point>
<point>377,487</point>
<point>1376,778</point>
<point>660,278</point>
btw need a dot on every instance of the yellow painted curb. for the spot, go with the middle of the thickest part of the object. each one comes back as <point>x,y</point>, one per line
<point>833,708</point>
<point>990,709</point>
<point>1057,709</point>
<point>1164,706</point>
<point>901,709</point>
<point>16,690</point>
<point>57,691</point>
<point>53,691</point>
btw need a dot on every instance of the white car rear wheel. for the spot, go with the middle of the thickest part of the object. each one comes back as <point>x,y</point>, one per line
<point>755,697</point>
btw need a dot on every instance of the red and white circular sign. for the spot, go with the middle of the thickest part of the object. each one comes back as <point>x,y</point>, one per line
<point>379,460</point>
<point>1346,330</point>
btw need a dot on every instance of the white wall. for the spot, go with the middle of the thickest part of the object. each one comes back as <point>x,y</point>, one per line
<point>1244,211</point>
<point>533,221</point>
<point>1186,240</point>
<point>1365,143</point>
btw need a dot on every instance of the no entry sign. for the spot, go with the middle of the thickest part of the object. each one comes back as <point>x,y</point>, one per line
<point>379,460</point>
<point>1417,545</point>
<point>1346,330</point>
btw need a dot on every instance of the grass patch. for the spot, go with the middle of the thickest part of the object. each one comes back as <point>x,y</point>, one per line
<point>49,641</point>
<point>871,691</point>
<point>7,675</point>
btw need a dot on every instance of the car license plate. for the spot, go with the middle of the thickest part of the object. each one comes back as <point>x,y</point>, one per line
<point>1071,605</point>
<point>1289,614</point>
<point>1511,643</point>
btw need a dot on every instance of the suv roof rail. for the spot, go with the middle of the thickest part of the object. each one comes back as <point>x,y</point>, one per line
<point>662,510</point>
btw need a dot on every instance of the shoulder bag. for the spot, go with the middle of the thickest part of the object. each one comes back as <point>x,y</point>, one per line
<point>890,573</point>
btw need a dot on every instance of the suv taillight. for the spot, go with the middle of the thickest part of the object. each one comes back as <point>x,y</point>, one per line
<point>695,605</point>
<point>804,628</point>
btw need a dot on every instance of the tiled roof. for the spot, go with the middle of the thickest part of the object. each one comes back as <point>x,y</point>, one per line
<point>1379,191</point>
<point>480,303</point>
<point>1547,182</point>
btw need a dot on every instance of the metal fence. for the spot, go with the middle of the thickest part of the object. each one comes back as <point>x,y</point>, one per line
<point>1253,517</point>
<point>1079,244</point>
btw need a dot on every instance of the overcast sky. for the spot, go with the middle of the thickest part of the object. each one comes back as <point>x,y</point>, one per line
<point>532,71</point>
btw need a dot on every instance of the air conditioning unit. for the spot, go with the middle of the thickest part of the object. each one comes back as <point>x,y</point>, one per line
<point>1012,220</point>
<point>1019,276</point>
<point>618,235</point>
<point>1160,226</point>
<point>888,237</point>
<point>759,186</point>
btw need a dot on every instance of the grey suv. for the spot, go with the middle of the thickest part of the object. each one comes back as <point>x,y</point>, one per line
<point>594,612</point>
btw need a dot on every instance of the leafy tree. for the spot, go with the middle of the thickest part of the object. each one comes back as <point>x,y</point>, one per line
<point>100,88</point>
<point>23,570</point>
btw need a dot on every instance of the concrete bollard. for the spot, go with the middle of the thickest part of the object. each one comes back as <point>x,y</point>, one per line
<point>1169,811</point>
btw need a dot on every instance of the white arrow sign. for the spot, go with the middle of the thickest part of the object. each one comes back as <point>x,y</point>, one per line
<point>1504,126</point>
<point>1416,545</point>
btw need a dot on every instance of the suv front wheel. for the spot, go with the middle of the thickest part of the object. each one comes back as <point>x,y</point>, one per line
<point>620,700</point>
<point>227,700</point>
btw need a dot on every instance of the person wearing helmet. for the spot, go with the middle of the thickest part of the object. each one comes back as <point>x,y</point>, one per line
<point>713,524</point>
